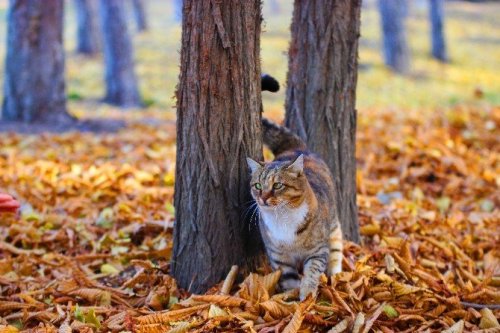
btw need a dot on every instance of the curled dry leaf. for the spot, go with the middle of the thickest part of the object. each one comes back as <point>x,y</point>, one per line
<point>181,327</point>
<point>294,324</point>
<point>222,300</point>
<point>358,322</point>
<point>458,327</point>
<point>369,323</point>
<point>169,316</point>
<point>340,327</point>
<point>488,319</point>
<point>278,308</point>
<point>101,297</point>
<point>215,311</point>
<point>229,281</point>
<point>270,281</point>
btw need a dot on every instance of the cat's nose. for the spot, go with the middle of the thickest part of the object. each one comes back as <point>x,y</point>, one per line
<point>265,197</point>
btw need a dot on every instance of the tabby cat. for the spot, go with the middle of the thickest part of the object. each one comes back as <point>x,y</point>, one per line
<point>295,199</point>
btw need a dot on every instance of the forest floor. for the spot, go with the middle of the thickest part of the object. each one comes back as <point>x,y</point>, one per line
<point>90,247</point>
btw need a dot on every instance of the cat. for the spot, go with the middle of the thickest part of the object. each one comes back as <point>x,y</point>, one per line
<point>295,198</point>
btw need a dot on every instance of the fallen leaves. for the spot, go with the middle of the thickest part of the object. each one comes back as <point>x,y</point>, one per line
<point>91,246</point>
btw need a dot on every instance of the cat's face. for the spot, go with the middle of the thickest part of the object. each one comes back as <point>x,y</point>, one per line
<point>278,183</point>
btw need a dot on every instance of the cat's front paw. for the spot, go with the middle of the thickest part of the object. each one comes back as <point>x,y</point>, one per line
<point>307,289</point>
<point>289,284</point>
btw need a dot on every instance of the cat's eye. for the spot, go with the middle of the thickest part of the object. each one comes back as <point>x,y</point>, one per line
<point>258,186</point>
<point>278,186</point>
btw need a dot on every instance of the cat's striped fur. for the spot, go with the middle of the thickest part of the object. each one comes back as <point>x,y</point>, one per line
<point>295,198</point>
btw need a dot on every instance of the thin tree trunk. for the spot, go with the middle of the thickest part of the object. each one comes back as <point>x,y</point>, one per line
<point>140,15</point>
<point>87,33</point>
<point>34,88</point>
<point>121,81</point>
<point>436,16</point>
<point>218,126</point>
<point>321,92</point>
<point>393,16</point>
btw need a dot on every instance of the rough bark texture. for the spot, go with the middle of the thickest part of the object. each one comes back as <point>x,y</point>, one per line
<point>436,16</point>
<point>87,32</point>
<point>140,15</point>
<point>121,81</point>
<point>34,89</point>
<point>218,126</point>
<point>321,92</point>
<point>393,16</point>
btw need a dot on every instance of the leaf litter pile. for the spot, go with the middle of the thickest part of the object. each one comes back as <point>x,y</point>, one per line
<point>90,249</point>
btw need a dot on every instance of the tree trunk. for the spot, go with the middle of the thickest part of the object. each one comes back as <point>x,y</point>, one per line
<point>218,126</point>
<point>121,81</point>
<point>87,32</point>
<point>393,15</point>
<point>436,16</point>
<point>140,15</point>
<point>321,92</point>
<point>34,88</point>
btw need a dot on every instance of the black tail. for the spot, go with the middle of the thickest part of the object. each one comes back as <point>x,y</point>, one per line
<point>269,83</point>
<point>278,138</point>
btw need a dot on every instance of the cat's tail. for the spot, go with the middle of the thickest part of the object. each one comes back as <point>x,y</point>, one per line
<point>269,83</point>
<point>278,138</point>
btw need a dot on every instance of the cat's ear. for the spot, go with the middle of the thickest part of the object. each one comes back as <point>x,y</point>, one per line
<point>254,165</point>
<point>297,166</point>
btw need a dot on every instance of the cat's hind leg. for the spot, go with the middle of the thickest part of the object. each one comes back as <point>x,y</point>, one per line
<point>336,247</point>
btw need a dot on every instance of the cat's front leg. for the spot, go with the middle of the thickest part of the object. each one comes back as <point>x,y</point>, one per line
<point>314,266</point>
<point>290,278</point>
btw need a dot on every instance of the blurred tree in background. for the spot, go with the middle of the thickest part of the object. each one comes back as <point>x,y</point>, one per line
<point>121,80</point>
<point>88,39</point>
<point>34,87</point>
<point>321,92</point>
<point>393,15</point>
<point>140,15</point>
<point>436,16</point>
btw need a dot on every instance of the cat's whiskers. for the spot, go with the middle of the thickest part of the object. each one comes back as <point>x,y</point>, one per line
<point>255,214</point>
<point>249,209</point>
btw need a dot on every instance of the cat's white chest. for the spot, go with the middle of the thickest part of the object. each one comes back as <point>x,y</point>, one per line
<point>282,223</point>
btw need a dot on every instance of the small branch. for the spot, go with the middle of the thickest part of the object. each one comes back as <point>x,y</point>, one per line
<point>481,306</point>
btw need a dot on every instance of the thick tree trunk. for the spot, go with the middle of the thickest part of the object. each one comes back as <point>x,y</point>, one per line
<point>218,126</point>
<point>34,88</point>
<point>393,16</point>
<point>87,32</point>
<point>436,16</point>
<point>321,92</point>
<point>140,15</point>
<point>121,81</point>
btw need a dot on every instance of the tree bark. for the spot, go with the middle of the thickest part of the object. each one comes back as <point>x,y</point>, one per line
<point>34,88</point>
<point>218,126</point>
<point>436,16</point>
<point>393,16</point>
<point>140,15</point>
<point>87,32</point>
<point>321,92</point>
<point>121,81</point>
